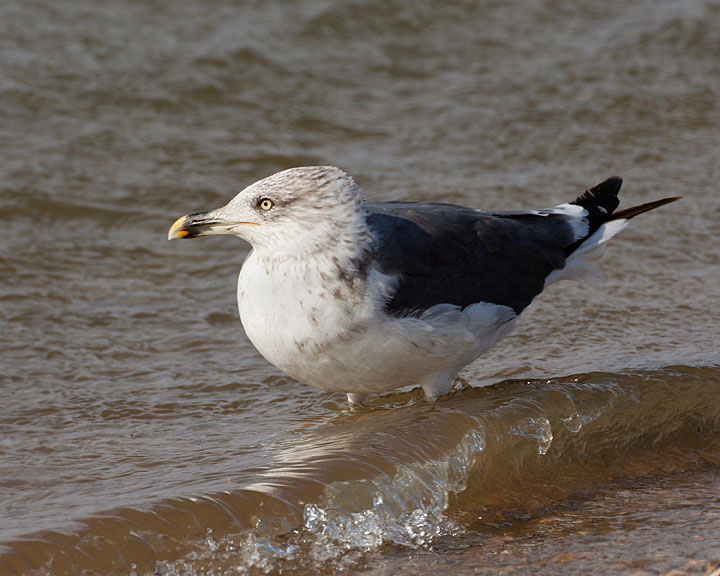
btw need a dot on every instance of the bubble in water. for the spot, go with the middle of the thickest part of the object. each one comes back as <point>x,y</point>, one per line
<point>314,517</point>
<point>537,428</point>
<point>211,543</point>
<point>576,421</point>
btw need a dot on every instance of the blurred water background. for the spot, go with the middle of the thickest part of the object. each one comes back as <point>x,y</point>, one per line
<point>140,432</point>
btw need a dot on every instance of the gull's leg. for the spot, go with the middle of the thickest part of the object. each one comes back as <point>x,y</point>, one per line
<point>356,398</point>
<point>437,385</point>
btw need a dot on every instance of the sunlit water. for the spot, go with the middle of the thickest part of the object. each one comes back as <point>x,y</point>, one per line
<point>139,429</point>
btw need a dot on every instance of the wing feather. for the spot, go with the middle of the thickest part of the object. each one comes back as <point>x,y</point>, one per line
<point>447,254</point>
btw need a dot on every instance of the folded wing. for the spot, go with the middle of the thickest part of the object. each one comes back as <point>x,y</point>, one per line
<point>448,254</point>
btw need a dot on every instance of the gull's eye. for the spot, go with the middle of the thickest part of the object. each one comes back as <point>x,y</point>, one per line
<point>265,204</point>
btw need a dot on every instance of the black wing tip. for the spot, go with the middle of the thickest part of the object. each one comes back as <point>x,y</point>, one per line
<point>602,199</point>
<point>607,189</point>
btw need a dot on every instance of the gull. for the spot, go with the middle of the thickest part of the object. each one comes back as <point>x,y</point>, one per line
<point>365,297</point>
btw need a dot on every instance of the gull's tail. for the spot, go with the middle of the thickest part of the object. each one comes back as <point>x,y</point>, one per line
<point>599,203</point>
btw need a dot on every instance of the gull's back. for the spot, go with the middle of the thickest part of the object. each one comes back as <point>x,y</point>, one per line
<point>444,253</point>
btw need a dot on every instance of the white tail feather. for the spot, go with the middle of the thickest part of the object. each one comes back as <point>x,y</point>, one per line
<point>579,265</point>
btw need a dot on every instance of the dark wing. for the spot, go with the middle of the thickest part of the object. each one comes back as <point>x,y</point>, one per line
<point>444,253</point>
<point>451,254</point>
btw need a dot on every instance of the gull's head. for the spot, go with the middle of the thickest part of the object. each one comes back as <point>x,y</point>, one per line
<point>293,210</point>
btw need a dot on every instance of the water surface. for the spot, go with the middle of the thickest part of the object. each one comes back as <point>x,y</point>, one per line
<point>139,429</point>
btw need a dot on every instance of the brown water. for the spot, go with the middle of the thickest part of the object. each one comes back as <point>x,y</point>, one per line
<point>141,432</point>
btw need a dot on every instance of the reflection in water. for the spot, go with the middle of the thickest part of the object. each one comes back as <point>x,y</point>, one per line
<point>408,475</point>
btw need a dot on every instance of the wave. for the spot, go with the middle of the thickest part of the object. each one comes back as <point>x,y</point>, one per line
<point>406,472</point>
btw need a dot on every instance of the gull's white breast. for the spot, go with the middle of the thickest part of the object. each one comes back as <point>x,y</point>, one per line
<point>297,315</point>
<point>311,325</point>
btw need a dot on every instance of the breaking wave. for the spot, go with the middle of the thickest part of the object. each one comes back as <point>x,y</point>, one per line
<point>406,472</point>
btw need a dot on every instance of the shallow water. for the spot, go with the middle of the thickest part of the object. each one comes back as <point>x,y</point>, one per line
<point>139,429</point>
